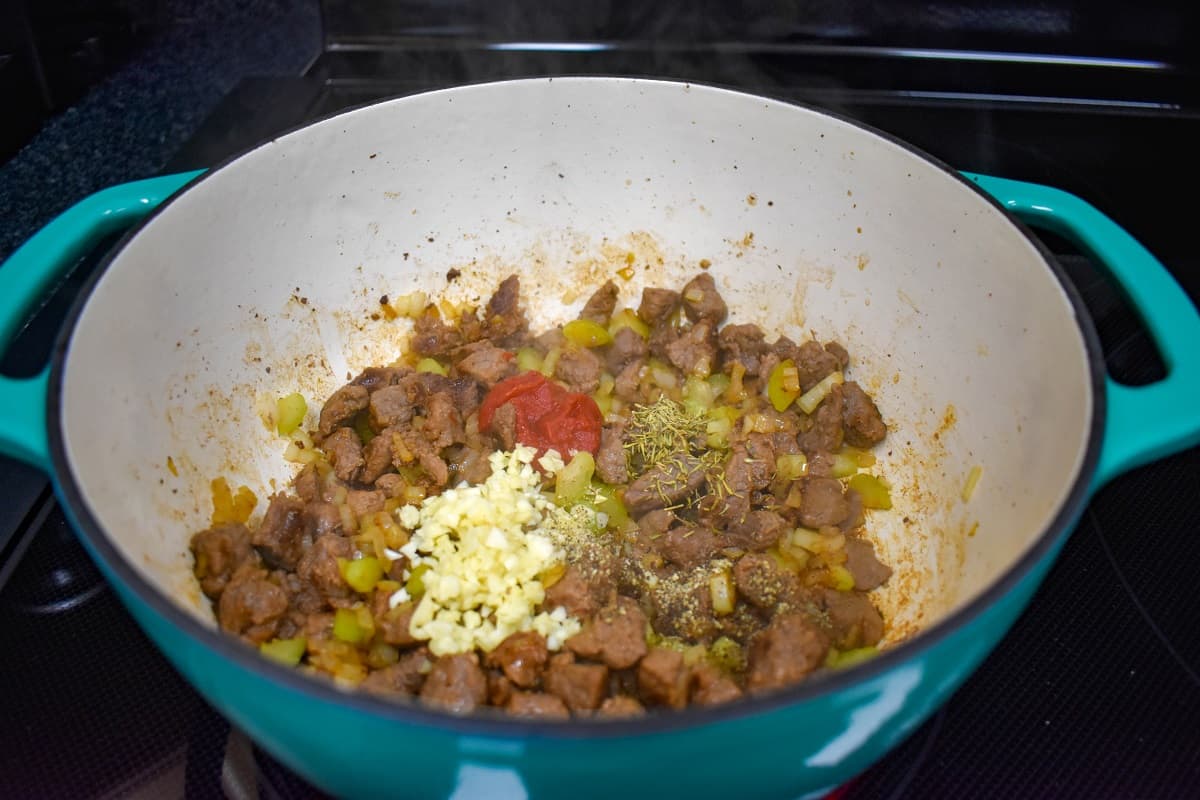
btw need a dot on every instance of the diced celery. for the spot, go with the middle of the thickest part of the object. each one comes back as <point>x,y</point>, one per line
<point>529,359</point>
<point>551,361</point>
<point>783,385</point>
<point>840,578</point>
<point>841,659</point>
<point>698,395</point>
<point>872,490</point>
<point>585,333</point>
<point>720,426</point>
<point>607,502</point>
<point>574,479</point>
<point>289,413</point>
<point>791,466</point>
<point>626,318</point>
<point>286,651</point>
<point>362,426</point>
<point>844,465</point>
<point>346,627</point>
<point>432,365</point>
<point>382,655</point>
<point>415,586</point>
<point>809,401</point>
<point>362,574</point>
<point>727,654</point>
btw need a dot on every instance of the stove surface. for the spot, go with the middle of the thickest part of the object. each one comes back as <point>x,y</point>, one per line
<point>1094,693</point>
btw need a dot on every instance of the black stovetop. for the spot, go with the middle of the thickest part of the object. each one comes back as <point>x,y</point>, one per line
<point>1095,692</point>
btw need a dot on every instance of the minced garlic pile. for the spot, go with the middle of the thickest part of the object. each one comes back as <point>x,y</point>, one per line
<point>484,554</point>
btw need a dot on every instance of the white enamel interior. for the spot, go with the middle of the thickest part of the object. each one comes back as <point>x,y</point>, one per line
<point>813,227</point>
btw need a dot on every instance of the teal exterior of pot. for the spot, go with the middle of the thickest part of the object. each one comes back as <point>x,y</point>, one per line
<point>796,743</point>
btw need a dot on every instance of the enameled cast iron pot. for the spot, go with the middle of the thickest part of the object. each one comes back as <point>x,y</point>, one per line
<point>264,277</point>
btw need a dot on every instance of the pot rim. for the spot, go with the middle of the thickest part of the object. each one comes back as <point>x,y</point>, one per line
<point>102,547</point>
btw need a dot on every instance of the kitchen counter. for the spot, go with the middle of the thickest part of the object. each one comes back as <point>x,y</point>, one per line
<point>129,126</point>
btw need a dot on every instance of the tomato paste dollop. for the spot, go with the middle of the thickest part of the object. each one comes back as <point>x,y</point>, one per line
<point>548,416</point>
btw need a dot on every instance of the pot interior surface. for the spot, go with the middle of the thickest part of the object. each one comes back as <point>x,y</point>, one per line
<point>264,278</point>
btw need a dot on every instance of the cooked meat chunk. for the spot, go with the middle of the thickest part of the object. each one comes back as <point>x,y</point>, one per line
<point>616,636</point>
<point>823,503</point>
<point>251,601</point>
<point>656,523</point>
<point>374,378</point>
<point>627,346</point>
<point>762,582</point>
<point>814,362</point>
<point>855,621</point>
<point>695,352</point>
<point>390,405</point>
<point>377,458</point>
<point>393,623</point>
<point>688,546</point>
<point>319,565</point>
<point>341,407</point>
<point>657,305</point>
<point>744,344</point>
<point>504,426</point>
<point>573,593</point>
<point>661,338</point>
<point>620,706</point>
<point>663,678</point>
<point>536,705</point>
<point>838,352</point>
<point>468,394</point>
<point>665,485</point>
<point>433,337</point>
<point>219,551</point>
<point>628,381</point>
<point>504,319</point>
<point>455,684</point>
<point>307,484</point>
<point>826,431</point>
<point>390,484</point>
<point>760,530</point>
<point>864,425</point>
<point>600,305</point>
<point>610,458</point>
<point>345,452</point>
<point>322,518</point>
<point>409,446</point>
<point>522,657</point>
<point>580,369</point>
<point>443,424</point>
<point>791,647</point>
<point>867,570</point>
<point>489,365</point>
<point>283,535</point>
<point>365,501</point>
<point>405,677</point>
<point>581,686</point>
<point>702,301</point>
<point>710,687</point>
<point>744,475</point>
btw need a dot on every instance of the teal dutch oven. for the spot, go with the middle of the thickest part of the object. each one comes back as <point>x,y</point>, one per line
<point>263,277</point>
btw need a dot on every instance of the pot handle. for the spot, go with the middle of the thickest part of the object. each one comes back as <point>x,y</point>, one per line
<point>1143,423</point>
<point>28,276</point>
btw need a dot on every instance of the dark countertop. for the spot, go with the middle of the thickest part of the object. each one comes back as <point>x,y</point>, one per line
<point>129,126</point>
